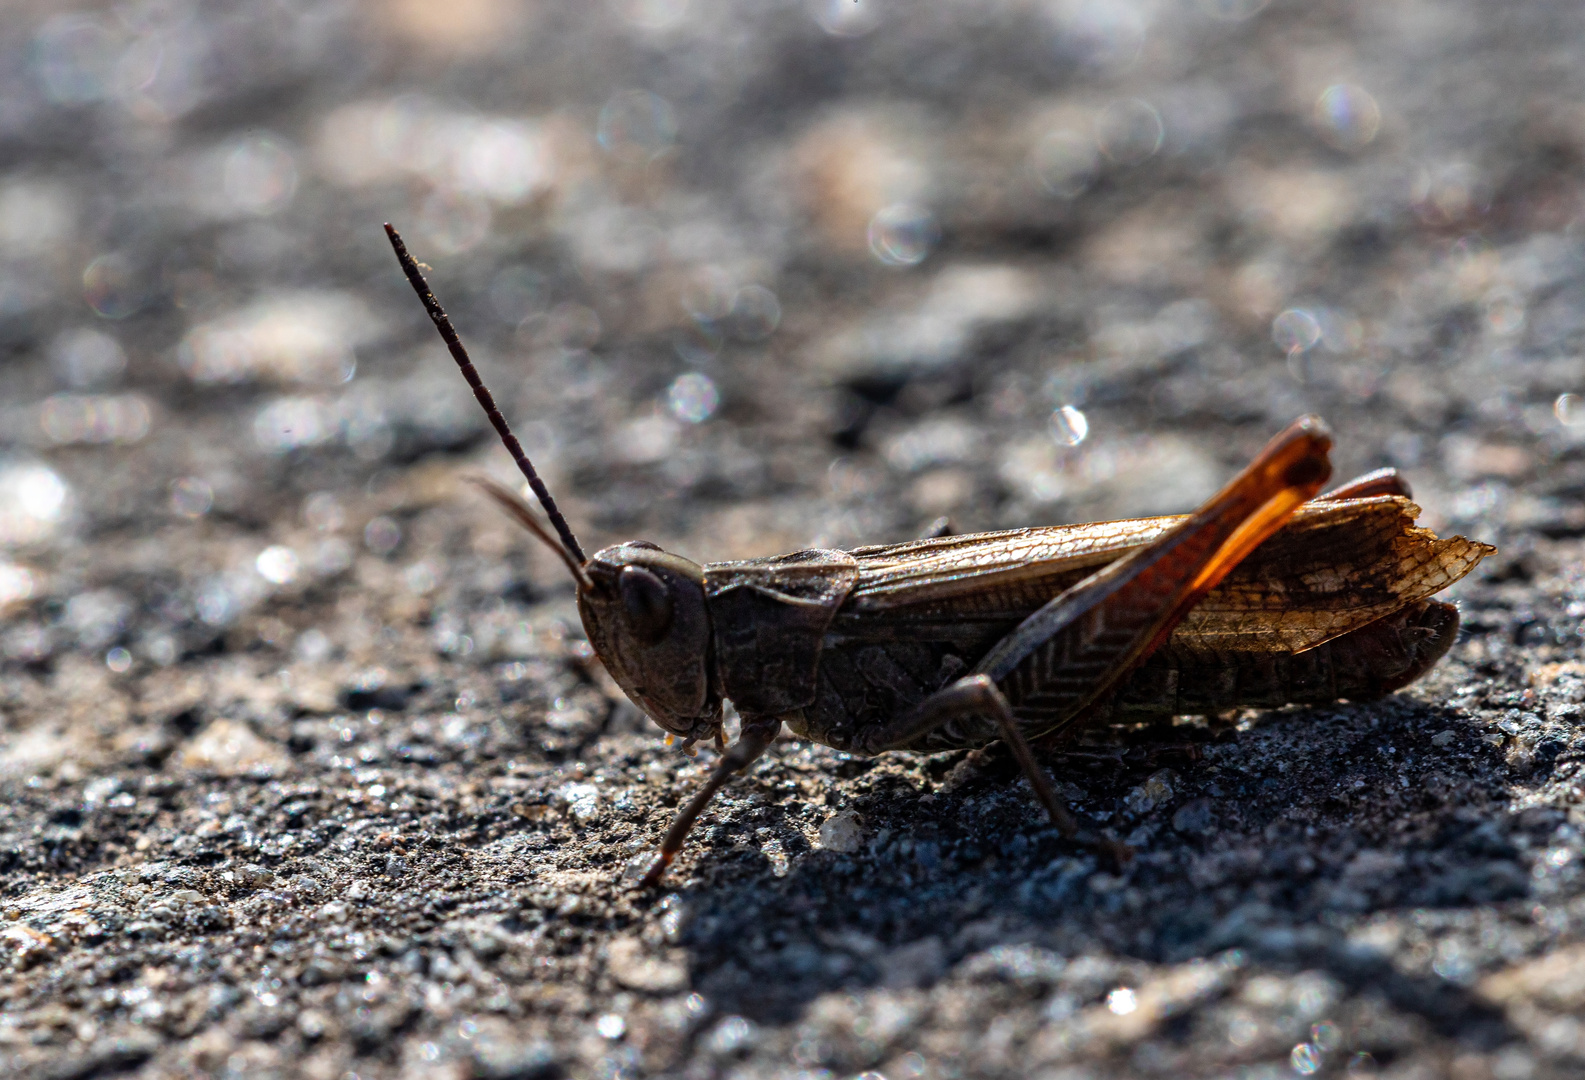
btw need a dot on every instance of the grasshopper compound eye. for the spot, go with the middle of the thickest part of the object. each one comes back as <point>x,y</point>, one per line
<point>648,603</point>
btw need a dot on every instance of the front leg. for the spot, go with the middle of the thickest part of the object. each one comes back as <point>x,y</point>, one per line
<point>757,735</point>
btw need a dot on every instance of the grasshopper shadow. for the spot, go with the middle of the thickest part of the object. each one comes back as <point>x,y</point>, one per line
<point>1280,846</point>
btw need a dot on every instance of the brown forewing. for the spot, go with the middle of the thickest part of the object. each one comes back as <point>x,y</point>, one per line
<point>1336,566</point>
<point>1333,569</point>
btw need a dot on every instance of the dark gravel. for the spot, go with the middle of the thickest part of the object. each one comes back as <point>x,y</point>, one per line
<point>306,767</point>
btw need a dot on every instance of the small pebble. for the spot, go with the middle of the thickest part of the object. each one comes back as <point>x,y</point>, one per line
<point>1193,817</point>
<point>843,832</point>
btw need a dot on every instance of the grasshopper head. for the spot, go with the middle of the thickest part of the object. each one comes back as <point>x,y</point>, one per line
<point>645,613</point>
<point>644,610</point>
<point>646,616</point>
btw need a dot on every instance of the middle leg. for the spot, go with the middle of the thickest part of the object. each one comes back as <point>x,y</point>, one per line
<point>977,695</point>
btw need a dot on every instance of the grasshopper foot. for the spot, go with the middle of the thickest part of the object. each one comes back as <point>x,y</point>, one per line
<point>645,871</point>
<point>1114,855</point>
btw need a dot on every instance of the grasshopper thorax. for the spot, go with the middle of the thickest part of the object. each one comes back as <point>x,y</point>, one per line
<point>647,618</point>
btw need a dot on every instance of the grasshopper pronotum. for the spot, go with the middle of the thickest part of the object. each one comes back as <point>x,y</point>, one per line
<point>1268,594</point>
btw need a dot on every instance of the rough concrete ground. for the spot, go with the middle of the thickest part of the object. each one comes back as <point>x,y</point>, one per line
<point>307,770</point>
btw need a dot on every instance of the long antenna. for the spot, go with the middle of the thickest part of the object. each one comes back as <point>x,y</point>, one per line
<point>523,514</point>
<point>449,335</point>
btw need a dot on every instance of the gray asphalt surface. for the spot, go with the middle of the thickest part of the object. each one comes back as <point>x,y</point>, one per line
<point>306,768</point>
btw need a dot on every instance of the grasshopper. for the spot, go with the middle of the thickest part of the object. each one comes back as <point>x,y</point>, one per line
<point>1269,594</point>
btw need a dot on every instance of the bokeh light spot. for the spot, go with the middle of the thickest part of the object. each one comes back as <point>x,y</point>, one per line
<point>259,175</point>
<point>113,287</point>
<point>323,513</point>
<point>1295,331</point>
<point>85,358</point>
<point>504,161</point>
<point>69,419</point>
<point>330,556</point>
<point>755,313</point>
<point>636,124</point>
<point>17,584</point>
<point>1242,1031</point>
<point>1069,426</point>
<point>903,234</point>
<point>646,439</point>
<point>32,503</point>
<point>693,397</point>
<point>291,423</point>
<point>1450,192</point>
<point>846,18</point>
<point>1101,34</point>
<point>217,605</point>
<point>73,57</point>
<point>296,337</point>
<point>1347,116</point>
<point>35,216</point>
<point>277,564</point>
<point>1504,313</point>
<point>382,535</point>
<point>1129,131</point>
<point>191,497</point>
<point>97,617</point>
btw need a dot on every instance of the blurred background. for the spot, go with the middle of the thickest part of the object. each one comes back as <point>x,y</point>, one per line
<point>750,276</point>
